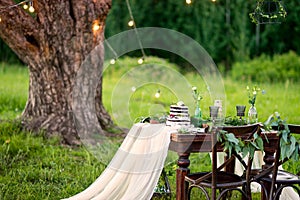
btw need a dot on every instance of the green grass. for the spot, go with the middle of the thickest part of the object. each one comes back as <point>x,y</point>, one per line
<point>34,167</point>
<point>13,90</point>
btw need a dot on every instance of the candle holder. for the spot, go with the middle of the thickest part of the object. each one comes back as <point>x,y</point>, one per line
<point>213,112</point>
<point>240,111</point>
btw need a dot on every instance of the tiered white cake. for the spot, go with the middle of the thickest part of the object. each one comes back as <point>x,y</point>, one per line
<point>179,115</point>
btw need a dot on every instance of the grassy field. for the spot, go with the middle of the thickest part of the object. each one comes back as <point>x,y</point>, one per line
<point>33,167</point>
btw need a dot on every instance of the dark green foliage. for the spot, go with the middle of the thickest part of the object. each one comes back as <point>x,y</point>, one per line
<point>7,55</point>
<point>223,28</point>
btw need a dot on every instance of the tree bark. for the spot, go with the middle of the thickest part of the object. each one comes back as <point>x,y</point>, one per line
<point>54,42</point>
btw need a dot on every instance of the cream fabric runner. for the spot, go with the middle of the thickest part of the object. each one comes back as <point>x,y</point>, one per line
<point>135,169</point>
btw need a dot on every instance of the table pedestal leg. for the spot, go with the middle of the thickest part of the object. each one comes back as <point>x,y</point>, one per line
<point>182,170</point>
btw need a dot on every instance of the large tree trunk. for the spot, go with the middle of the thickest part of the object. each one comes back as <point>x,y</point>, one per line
<point>54,42</point>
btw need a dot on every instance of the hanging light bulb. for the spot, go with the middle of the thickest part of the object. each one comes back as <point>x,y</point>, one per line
<point>141,60</point>
<point>188,1</point>
<point>0,19</point>
<point>131,23</point>
<point>31,8</point>
<point>25,6</point>
<point>133,89</point>
<point>157,94</point>
<point>96,27</point>
<point>113,61</point>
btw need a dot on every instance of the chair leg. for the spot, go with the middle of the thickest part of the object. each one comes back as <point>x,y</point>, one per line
<point>223,192</point>
<point>264,193</point>
<point>187,190</point>
<point>202,189</point>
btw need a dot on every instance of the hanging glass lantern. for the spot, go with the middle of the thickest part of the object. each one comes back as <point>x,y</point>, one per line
<point>268,12</point>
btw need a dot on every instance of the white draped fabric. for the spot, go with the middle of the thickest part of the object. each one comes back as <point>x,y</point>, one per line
<point>136,167</point>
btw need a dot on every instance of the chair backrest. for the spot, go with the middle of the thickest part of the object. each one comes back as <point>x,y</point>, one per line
<point>294,128</point>
<point>246,133</point>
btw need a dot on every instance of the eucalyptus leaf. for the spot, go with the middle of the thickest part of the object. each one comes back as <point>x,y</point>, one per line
<point>254,145</point>
<point>284,136</point>
<point>245,151</point>
<point>241,144</point>
<point>219,137</point>
<point>251,151</point>
<point>295,156</point>
<point>231,138</point>
<point>283,149</point>
<point>260,143</point>
<point>292,146</point>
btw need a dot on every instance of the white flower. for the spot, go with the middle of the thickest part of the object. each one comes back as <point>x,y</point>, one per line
<point>180,103</point>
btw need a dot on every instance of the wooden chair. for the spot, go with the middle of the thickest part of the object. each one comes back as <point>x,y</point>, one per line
<point>223,181</point>
<point>273,180</point>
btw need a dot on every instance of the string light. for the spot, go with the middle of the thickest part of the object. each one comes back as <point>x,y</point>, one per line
<point>188,1</point>
<point>22,3</point>
<point>25,6</point>
<point>157,94</point>
<point>131,23</point>
<point>96,27</point>
<point>133,89</point>
<point>15,5</point>
<point>214,1</point>
<point>0,19</point>
<point>141,60</point>
<point>113,61</point>
<point>31,8</point>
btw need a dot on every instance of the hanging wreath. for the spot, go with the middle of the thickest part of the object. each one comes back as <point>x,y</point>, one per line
<point>267,12</point>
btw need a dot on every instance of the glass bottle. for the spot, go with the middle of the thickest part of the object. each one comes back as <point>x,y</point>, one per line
<point>252,115</point>
<point>198,114</point>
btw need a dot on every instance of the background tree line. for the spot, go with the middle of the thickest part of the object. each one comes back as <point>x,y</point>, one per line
<point>223,27</point>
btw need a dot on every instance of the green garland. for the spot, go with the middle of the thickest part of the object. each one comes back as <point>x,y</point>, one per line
<point>233,144</point>
<point>289,145</point>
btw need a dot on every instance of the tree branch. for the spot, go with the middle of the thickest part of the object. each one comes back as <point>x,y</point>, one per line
<point>17,23</point>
